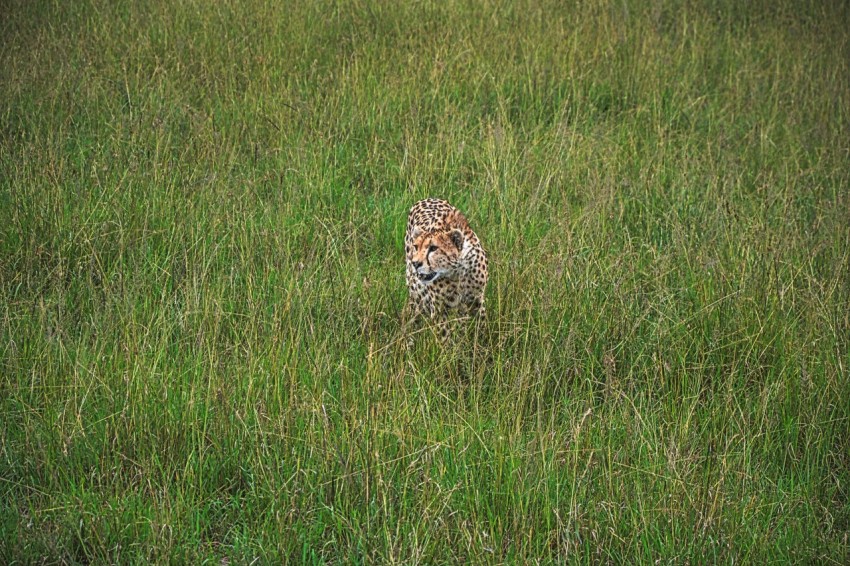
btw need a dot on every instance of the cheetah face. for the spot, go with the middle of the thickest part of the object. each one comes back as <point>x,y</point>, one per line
<point>435,254</point>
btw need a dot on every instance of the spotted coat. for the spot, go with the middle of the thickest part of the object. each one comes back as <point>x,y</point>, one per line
<point>446,264</point>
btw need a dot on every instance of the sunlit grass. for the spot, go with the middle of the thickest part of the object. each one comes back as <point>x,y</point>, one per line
<point>201,216</point>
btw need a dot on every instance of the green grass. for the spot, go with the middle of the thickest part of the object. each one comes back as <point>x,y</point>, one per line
<point>201,278</point>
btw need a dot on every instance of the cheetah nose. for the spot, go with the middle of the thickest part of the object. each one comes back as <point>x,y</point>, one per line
<point>417,264</point>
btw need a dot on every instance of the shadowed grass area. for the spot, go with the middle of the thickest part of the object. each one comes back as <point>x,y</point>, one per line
<point>201,277</point>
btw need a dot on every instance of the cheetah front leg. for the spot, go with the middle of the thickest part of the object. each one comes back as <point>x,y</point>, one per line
<point>477,309</point>
<point>473,307</point>
<point>442,316</point>
<point>418,311</point>
<point>412,318</point>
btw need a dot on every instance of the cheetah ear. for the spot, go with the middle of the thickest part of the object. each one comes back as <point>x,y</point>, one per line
<point>415,232</point>
<point>457,238</point>
<point>456,219</point>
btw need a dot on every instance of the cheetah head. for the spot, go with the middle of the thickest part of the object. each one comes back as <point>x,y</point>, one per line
<point>436,254</point>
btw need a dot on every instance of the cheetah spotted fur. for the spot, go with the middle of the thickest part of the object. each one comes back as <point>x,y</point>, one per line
<point>446,264</point>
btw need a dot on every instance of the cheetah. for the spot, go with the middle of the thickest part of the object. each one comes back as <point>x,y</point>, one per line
<point>446,264</point>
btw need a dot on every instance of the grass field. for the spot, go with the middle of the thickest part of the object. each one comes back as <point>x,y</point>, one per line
<point>202,207</point>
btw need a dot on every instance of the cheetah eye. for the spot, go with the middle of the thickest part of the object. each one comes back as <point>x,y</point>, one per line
<point>432,248</point>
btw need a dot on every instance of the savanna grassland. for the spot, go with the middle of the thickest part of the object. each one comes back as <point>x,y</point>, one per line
<point>202,207</point>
